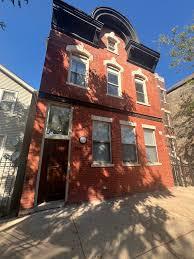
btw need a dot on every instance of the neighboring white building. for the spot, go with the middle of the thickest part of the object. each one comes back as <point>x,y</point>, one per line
<point>17,109</point>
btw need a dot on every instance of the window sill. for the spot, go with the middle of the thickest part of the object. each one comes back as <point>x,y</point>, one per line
<point>101,165</point>
<point>153,164</point>
<point>145,104</point>
<point>114,52</point>
<point>83,87</point>
<point>55,136</point>
<point>129,164</point>
<point>119,97</point>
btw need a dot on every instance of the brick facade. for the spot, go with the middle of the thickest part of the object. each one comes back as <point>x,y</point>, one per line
<point>86,182</point>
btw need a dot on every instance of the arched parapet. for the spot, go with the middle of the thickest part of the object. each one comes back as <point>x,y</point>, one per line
<point>117,22</point>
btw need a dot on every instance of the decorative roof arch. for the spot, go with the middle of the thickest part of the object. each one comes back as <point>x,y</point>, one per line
<point>117,22</point>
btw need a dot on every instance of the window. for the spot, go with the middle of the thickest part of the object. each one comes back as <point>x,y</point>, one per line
<point>78,71</point>
<point>101,142</point>
<point>112,45</point>
<point>162,96</point>
<point>141,91</point>
<point>113,78</point>
<point>129,150</point>
<point>150,143</point>
<point>2,143</point>
<point>7,100</point>
<point>58,122</point>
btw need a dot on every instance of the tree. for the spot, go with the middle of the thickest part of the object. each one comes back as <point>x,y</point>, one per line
<point>14,2</point>
<point>180,44</point>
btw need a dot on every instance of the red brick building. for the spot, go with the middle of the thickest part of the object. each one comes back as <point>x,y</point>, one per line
<point>98,131</point>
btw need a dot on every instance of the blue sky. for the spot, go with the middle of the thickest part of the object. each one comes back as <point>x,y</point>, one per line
<point>23,42</point>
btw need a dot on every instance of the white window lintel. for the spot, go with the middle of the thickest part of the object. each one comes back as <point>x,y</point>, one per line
<point>79,49</point>
<point>146,126</point>
<point>128,123</point>
<point>112,62</point>
<point>139,73</point>
<point>100,118</point>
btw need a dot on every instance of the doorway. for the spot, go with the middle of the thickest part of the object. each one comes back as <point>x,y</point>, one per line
<point>54,165</point>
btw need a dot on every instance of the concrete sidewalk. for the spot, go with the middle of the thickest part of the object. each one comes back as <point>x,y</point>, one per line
<point>149,225</point>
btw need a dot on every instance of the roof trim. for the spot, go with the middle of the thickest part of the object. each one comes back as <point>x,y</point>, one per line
<point>17,79</point>
<point>181,83</point>
<point>107,11</point>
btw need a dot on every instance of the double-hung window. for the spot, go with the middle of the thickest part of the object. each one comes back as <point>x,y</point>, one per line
<point>150,144</point>
<point>7,100</point>
<point>129,149</point>
<point>141,91</point>
<point>78,71</point>
<point>113,81</point>
<point>101,142</point>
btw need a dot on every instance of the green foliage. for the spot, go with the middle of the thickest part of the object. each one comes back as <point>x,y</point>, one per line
<point>180,43</point>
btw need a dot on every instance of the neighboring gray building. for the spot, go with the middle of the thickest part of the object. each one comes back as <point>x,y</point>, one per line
<point>181,104</point>
<point>17,110</point>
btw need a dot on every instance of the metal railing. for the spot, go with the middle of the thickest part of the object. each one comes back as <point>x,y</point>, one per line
<point>7,180</point>
<point>183,173</point>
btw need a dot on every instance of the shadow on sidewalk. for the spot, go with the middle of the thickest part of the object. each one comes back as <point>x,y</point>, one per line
<point>119,228</point>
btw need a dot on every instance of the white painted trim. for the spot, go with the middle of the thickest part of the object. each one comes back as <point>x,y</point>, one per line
<point>100,118</point>
<point>113,71</point>
<point>111,95</point>
<point>155,144</point>
<point>86,62</point>
<point>135,135</point>
<point>167,111</point>
<point>130,165</point>
<point>69,156</point>
<point>160,78</point>
<point>128,123</point>
<point>153,164</point>
<point>82,87</point>
<point>17,79</point>
<point>42,148</point>
<point>163,89</point>
<point>145,104</point>
<point>139,73</point>
<point>112,62</point>
<point>95,164</point>
<point>146,126</point>
<point>110,141</point>
<point>144,91</point>
<point>40,160</point>
<point>79,49</point>
<point>168,136</point>
<point>111,35</point>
